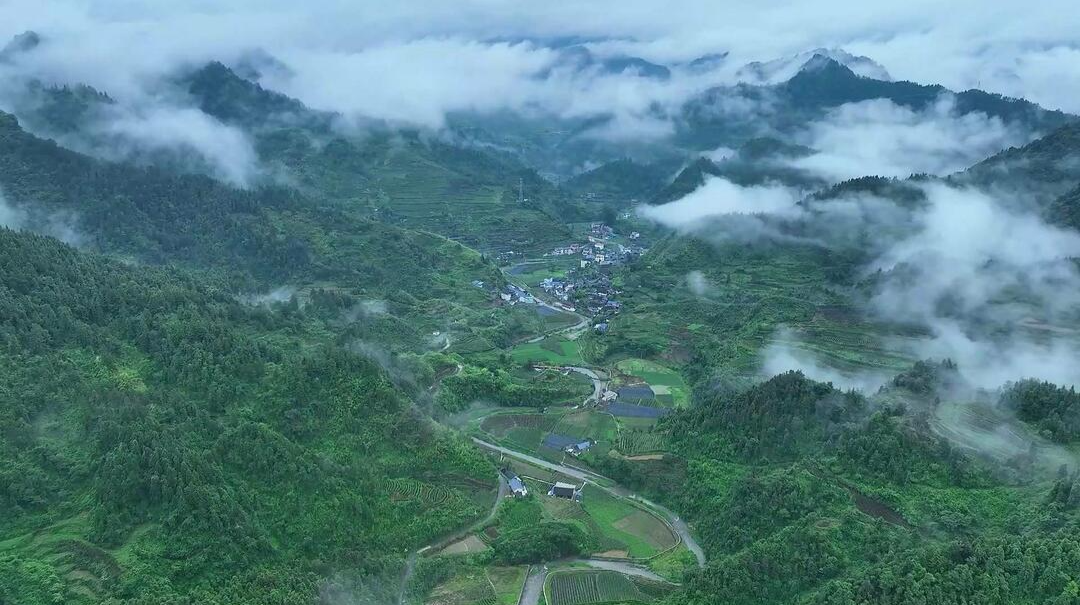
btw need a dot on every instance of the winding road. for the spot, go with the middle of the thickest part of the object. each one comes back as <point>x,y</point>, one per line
<point>533,588</point>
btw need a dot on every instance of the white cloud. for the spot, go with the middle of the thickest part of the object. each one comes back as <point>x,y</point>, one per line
<point>417,59</point>
<point>719,197</point>
<point>879,137</point>
<point>226,149</point>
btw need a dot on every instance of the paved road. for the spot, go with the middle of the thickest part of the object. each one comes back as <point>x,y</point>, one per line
<point>624,568</point>
<point>579,474</point>
<point>598,384</point>
<point>534,585</point>
<point>676,522</point>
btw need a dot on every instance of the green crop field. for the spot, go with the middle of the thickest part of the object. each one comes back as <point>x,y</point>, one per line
<point>552,350</point>
<point>500,425</point>
<point>590,424</point>
<point>585,587</point>
<point>631,442</point>
<point>469,588</point>
<point>643,533</point>
<point>508,582</point>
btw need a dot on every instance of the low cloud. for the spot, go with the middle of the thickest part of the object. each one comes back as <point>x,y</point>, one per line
<point>994,287</point>
<point>60,225</point>
<point>129,135</point>
<point>879,137</point>
<point>698,283</point>
<point>720,197</point>
<point>281,294</point>
<point>784,352</point>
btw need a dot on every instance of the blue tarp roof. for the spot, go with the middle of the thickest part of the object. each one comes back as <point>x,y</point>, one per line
<point>637,411</point>
<point>638,393</point>
<point>557,441</point>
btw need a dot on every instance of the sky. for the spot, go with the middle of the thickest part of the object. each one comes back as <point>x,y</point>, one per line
<point>414,60</point>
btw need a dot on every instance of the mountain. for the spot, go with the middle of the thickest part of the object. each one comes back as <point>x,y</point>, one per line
<point>1066,209</point>
<point>622,183</point>
<point>265,237</point>
<point>22,43</point>
<point>758,161</point>
<point>580,58</point>
<point>403,177</point>
<point>719,116</point>
<point>782,70</point>
<point>1043,169</point>
<point>687,180</point>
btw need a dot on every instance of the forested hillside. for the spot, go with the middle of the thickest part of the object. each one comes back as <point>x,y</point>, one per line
<point>802,493</point>
<point>163,442</point>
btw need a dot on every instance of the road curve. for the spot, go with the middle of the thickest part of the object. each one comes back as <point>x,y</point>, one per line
<point>674,520</point>
<point>627,569</point>
<point>597,382</point>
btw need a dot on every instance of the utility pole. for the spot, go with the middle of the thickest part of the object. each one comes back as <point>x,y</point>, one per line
<point>521,190</point>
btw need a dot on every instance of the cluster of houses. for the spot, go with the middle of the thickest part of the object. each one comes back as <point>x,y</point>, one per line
<point>558,490</point>
<point>514,294</point>
<point>560,288</point>
<point>599,250</point>
<point>592,289</point>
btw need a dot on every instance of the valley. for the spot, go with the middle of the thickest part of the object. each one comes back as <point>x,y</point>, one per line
<point>433,306</point>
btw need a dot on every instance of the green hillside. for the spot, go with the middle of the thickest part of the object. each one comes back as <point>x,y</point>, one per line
<point>260,239</point>
<point>163,443</point>
<point>801,493</point>
<point>398,176</point>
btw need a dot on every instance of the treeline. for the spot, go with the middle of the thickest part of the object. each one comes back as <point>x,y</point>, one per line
<point>475,384</point>
<point>1052,409</point>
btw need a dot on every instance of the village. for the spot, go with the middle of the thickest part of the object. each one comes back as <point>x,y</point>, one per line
<point>586,286</point>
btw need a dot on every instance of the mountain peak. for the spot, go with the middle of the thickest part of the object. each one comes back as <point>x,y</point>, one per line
<point>222,93</point>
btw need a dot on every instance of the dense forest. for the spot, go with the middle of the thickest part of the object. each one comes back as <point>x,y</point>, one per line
<point>870,511</point>
<point>163,441</point>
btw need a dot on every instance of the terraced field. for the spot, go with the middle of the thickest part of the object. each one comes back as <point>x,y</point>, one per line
<point>526,431</point>
<point>412,490</point>
<point>472,588</point>
<point>424,194</point>
<point>501,424</point>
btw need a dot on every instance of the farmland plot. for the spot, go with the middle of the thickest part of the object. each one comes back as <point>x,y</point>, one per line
<point>587,587</point>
